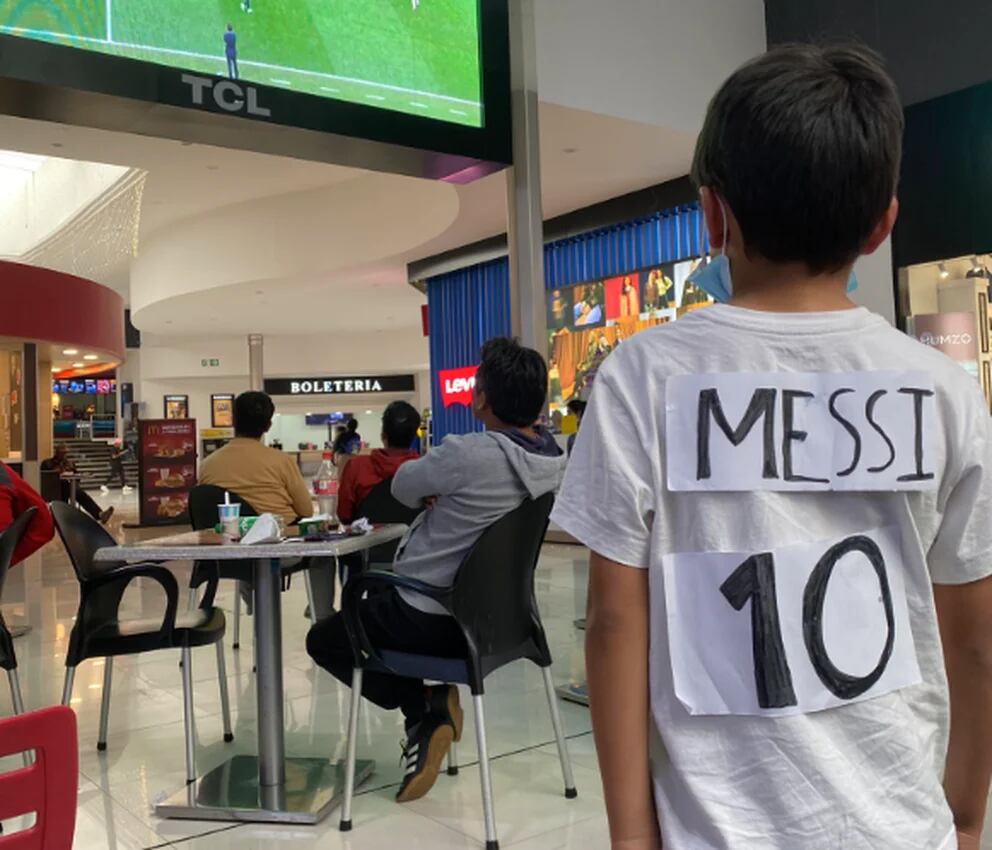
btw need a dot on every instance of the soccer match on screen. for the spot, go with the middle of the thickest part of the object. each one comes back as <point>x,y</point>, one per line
<point>420,57</point>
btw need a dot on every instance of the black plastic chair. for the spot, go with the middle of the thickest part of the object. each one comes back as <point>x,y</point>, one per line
<point>381,508</point>
<point>203,502</point>
<point>493,602</point>
<point>100,632</point>
<point>9,539</point>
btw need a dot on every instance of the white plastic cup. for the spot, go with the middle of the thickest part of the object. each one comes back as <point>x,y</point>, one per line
<point>230,520</point>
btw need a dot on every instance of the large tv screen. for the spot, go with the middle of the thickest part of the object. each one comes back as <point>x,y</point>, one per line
<point>421,57</point>
<point>415,87</point>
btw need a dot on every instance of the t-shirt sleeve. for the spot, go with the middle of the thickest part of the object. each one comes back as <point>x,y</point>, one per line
<point>607,499</point>
<point>962,549</point>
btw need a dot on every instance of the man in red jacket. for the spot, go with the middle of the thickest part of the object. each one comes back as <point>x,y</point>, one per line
<point>364,472</point>
<point>16,496</point>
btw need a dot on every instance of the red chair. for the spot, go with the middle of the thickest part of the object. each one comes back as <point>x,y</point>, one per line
<point>48,786</point>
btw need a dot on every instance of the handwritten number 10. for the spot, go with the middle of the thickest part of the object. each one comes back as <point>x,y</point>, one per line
<point>754,580</point>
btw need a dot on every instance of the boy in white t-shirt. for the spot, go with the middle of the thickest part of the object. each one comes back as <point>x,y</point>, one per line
<point>789,503</point>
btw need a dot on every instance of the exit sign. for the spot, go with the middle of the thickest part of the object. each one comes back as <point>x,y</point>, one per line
<point>210,363</point>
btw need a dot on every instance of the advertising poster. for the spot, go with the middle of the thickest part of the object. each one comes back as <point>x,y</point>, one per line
<point>167,470</point>
<point>177,407</point>
<point>955,334</point>
<point>623,297</point>
<point>589,311</point>
<point>222,411</point>
<point>589,320</point>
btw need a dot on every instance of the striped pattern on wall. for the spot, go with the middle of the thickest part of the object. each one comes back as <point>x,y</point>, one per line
<point>471,305</point>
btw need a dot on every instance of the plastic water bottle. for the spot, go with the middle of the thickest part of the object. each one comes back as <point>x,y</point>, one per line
<point>325,486</point>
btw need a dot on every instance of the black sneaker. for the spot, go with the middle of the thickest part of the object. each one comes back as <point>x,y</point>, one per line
<point>445,703</point>
<point>424,751</point>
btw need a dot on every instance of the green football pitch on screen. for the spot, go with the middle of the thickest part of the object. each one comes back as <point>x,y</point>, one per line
<point>415,56</point>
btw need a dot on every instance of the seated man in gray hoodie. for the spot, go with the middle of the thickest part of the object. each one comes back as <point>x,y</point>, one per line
<point>467,483</point>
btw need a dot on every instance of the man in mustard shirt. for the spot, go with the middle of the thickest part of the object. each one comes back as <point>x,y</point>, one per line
<point>267,479</point>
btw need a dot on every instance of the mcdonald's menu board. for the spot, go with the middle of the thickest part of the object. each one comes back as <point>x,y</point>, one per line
<point>166,469</point>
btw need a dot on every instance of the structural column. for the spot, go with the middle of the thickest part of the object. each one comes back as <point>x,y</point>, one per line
<point>30,423</point>
<point>256,371</point>
<point>526,214</point>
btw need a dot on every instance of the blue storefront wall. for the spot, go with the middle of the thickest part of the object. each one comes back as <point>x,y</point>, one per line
<point>471,305</point>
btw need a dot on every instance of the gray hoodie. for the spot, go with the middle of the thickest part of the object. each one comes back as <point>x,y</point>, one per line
<point>478,478</point>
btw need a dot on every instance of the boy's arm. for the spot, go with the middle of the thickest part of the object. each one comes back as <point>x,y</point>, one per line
<point>617,666</point>
<point>433,475</point>
<point>965,615</point>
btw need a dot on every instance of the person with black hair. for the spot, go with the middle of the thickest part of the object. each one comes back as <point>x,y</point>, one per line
<point>362,474</point>
<point>468,483</point>
<point>577,407</point>
<point>785,649</point>
<point>348,441</point>
<point>268,479</point>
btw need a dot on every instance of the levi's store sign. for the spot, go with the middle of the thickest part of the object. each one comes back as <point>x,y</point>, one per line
<point>457,385</point>
<point>358,385</point>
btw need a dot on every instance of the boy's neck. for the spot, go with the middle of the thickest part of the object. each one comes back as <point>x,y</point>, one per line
<point>775,288</point>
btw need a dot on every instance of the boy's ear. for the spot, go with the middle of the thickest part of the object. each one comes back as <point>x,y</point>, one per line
<point>713,215</point>
<point>883,229</point>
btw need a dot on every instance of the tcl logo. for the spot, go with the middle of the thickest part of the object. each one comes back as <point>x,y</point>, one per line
<point>457,385</point>
<point>227,94</point>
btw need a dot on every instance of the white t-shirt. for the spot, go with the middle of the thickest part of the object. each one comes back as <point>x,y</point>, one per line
<point>863,775</point>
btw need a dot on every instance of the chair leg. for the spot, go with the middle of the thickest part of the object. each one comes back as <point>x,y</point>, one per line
<point>70,678</point>
<point>352,752</point>
<point>237,615</point>
<point>225,697</point>
<point>18,702</point>
<point>188,720</point>
<point>453,759</point>
<point>308,584</point>
<point>485,775</point>
<point>15,691</point>
<point>108,677</point>
<point>566,761</point>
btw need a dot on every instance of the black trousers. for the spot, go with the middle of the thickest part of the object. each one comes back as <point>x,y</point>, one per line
<point>116,471</point>
<point>83,499</point>
<point>390,624</point>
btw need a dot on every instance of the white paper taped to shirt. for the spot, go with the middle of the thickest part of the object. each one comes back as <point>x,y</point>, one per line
<point>801,629</point>
<point>799,431</point>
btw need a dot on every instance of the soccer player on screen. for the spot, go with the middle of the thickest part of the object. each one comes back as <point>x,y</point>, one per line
<point>231,51</point>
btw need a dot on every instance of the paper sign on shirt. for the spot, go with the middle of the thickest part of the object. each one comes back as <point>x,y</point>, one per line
<point>801,629</point>
<point>784,431</point>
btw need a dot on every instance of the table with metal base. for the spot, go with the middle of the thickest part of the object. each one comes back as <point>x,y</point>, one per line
<point>269,787</point>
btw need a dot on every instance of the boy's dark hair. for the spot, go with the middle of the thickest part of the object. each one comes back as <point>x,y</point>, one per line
<point>352,426</point>
<point>400,423</point>
<point>253,412</point>
<point>515,381</point>
<point>577,406</point>
<point>804,145</point>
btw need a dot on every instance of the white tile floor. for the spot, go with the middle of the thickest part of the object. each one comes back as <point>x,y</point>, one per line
<point>144,761</point>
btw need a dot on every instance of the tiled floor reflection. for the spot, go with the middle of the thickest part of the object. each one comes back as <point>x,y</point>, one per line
<point>144,762</point>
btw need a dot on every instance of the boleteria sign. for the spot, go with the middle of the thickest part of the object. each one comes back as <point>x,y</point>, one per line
<point>457,385</point>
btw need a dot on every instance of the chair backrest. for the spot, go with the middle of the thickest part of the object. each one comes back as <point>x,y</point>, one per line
<point>380,506</point>
<point>493,594</point>
<point>48,786</point>
<point>82,536</point>
<point>9,539</point>
<point>203,502</point>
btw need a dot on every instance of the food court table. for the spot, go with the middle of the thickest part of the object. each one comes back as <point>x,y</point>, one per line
<point>269,788</point>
